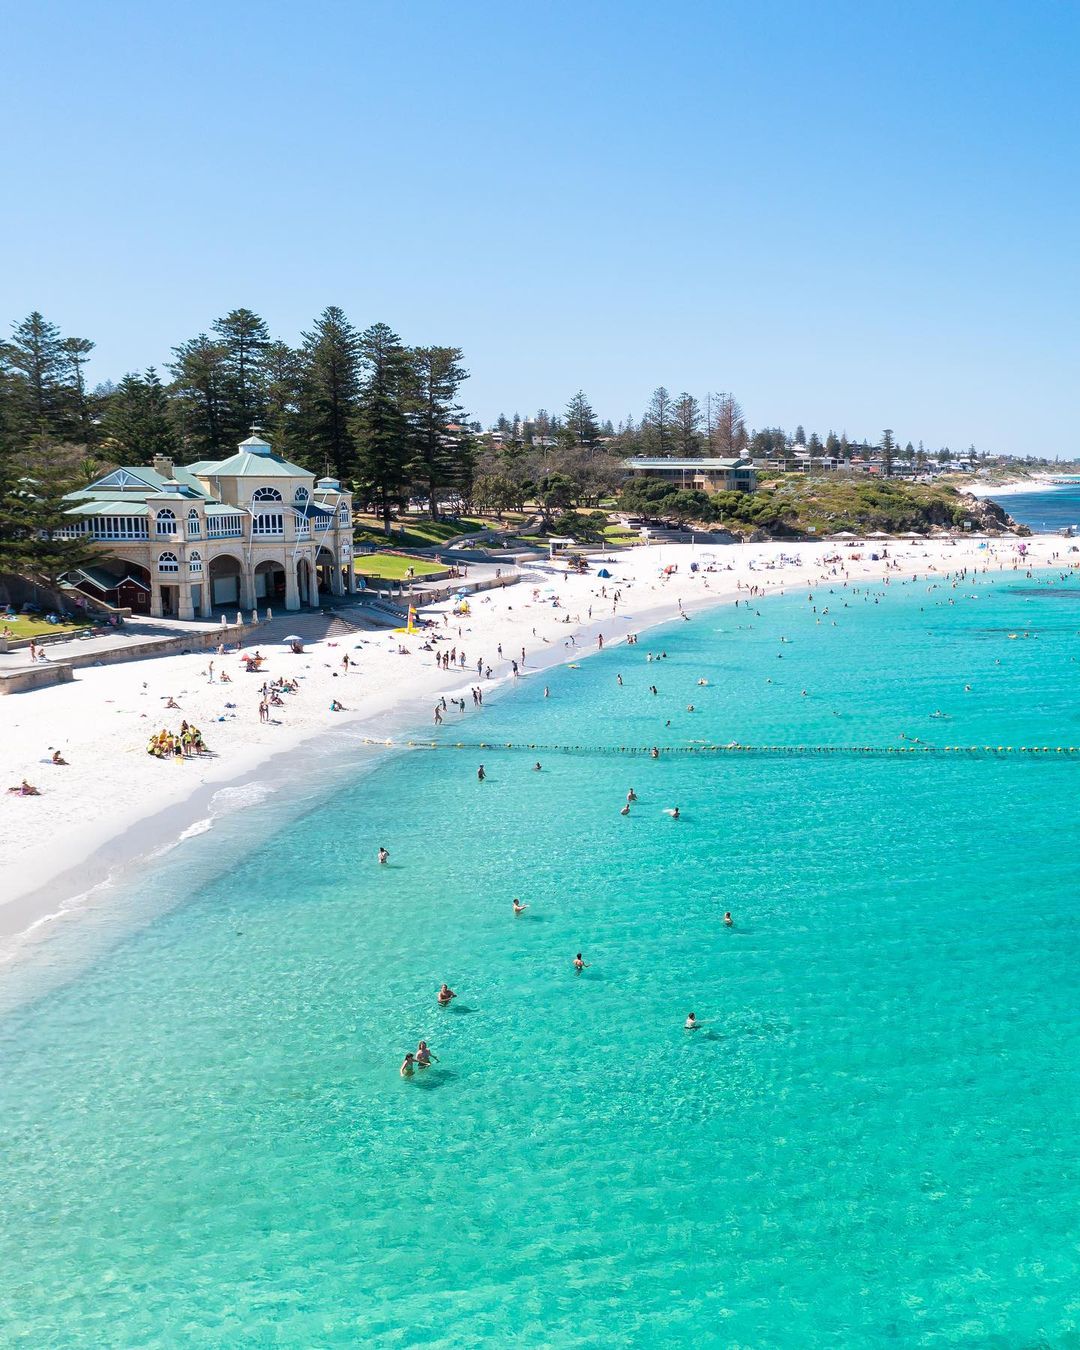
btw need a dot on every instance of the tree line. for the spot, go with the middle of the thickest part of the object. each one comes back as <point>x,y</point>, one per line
<point>379,415</point>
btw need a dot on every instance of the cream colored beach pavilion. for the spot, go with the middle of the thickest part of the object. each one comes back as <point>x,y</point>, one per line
<point>243,531</point>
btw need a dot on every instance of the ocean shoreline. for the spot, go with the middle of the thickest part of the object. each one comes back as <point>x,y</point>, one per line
<point>110,851</point>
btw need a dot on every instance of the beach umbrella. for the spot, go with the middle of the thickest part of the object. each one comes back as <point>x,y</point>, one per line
<point>293,637</point>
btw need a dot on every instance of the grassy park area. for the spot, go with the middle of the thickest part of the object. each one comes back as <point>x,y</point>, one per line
<point>29,626</point>
<point>394,567</point>
<point>416,531</point>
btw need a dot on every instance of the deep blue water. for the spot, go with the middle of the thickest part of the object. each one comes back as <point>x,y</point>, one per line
<point>1046,512</point>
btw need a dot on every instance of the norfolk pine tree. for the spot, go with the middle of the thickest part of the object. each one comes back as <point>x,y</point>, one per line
<point>440,458</point>
<point>380,429</point>
<point>329,393</point>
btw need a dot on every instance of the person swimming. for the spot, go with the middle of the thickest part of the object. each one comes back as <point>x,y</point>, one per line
<point>519,908</point>
<point>691,1023</point>
<point>480,774</point>
<point>728,919</point>
<point>408,1066</point>
<point>631,796</point>
<point>537,767</point>
<point>445,994</point>
<point>424,1055</point>
<point>625,810</point>
<point>672,811</point>
<point>580,963</point>
<point>384,856</point>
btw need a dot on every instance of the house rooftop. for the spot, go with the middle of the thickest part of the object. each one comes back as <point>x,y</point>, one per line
<point>666,462</point>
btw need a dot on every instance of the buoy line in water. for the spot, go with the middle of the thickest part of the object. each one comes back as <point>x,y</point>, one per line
<point>736,750</point>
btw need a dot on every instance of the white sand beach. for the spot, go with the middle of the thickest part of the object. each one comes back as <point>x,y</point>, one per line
<point>54,845</point>
<point>1013,487</point>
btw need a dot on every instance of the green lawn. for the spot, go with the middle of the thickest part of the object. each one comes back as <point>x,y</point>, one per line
<point>418,531</point>
<point>393,567</point>
<point>621,536</point>
<point>26,626</point>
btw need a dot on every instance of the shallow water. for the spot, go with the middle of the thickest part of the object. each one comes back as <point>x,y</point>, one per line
<point>872,1140</point>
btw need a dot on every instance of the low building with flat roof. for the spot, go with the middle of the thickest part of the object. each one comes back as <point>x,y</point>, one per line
<point>705,475</point>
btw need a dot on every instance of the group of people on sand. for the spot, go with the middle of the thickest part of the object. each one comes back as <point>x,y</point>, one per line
<point>181,744</point>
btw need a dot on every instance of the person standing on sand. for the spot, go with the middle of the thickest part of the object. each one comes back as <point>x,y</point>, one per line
<point>600,642</point>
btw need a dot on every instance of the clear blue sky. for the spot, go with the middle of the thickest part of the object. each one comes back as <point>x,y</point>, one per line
<point>851,215</point>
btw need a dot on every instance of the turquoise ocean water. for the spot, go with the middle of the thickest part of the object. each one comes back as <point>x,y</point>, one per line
<point>205,1140</point>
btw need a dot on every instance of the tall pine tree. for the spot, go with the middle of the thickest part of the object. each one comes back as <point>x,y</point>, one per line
<point>199,397</point>
<point>40,397</point>
<point>136,424</point>
<point>442,456</point>
<point>580,421</point>
<point>380,429</point>
<point>658,425</point>
<point>243,338</point>
<point>328,395</point>
<point>687,418</point>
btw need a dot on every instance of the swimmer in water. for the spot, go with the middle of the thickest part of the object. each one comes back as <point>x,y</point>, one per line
<point>480,774</point>
<point>446,994</point>
<point>536,767</point>
<point>384,856</point>
<point>408,1067</point>
<point>580,964</point>
<point>424,1055</point>
<point>631,796</point>
<point>625,810</point>
<point>728,919</point>
<point>519,908</point>
<point>691,1023</point>
<point>672,811</point>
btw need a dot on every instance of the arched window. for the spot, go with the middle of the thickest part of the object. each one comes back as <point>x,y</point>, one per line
<point>265,494</point>
<point>165,522</point>
<point>300,496</point>
<point>168,562</point>
<point>194,524</point>
<point>343,516</point>
<point>195,561</point>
